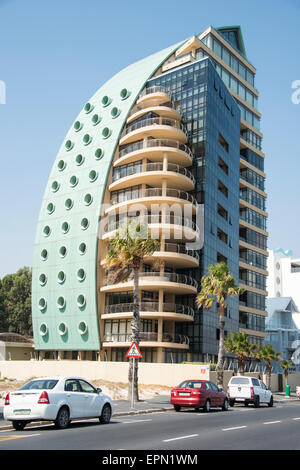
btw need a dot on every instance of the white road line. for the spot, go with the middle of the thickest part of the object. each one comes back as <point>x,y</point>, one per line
<point>136,421</point>
<point>233,429</point>
<point>272,422</point>
<point>296,419</point>
<point>182,437</point>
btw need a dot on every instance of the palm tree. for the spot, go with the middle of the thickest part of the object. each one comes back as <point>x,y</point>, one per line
<point>285,365</point>
<point>218,285</point>
<point>239,345</point>
<point>124,259</point>
<point>267,354</point>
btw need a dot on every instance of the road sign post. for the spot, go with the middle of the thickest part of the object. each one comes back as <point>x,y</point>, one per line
<point>133,353</point>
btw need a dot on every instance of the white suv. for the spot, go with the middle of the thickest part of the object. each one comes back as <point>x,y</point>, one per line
<point>248,390</point>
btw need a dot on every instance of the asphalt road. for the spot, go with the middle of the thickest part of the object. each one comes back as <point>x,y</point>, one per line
<point>240,428</point>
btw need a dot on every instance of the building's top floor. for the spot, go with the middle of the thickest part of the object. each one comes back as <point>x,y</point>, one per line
<point>282,314</point>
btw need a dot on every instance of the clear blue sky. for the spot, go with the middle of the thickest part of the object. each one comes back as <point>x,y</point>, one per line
<point>54,55</point>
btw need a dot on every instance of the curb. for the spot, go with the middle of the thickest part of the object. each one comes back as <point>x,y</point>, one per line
<point>115,415</point>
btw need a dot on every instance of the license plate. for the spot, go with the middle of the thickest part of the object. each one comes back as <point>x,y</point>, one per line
<point>239,399</point>
<point>184,394</point>
<point>22,412</point>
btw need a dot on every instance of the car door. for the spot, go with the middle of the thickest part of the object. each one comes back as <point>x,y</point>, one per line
<point>92,399</point>
<point>266,393</point>
<point>217,396</point>
<point>210,394</point>
<point>75,398</point>
<point>258,390</point>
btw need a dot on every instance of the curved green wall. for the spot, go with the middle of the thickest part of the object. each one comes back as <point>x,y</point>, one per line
<point>62,303</point>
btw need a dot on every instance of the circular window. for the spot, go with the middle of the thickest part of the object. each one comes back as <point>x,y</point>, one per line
<point>69,204</point>
<point>61,302</point>
<point>65,227</point>
<point>99,154</point>
<point>81,301</point>
<point>79,160</point>
<point>124,93</point>
<point>88,199</point>
<point>278,280</point>
<point>61,165</point>
<point>78,126</point>
<point>84,223</point>
<point>62,329</point>
<point>88,108</point>
<point>43,279</point>
<point>42,303</point>
<point>93,175</point>
<point>55,186</point>
<point>50,208</point>
<point>82,328</point>
<point>82,248</point>
<point>106,101</point>
<point>62,251</point>
<point>96,119</point>
<point>277,265</point>
<point>69,145</point>
<point>61,277</point>
<point>81,274</point>
<point>87,139</point>
<point>73,181</point>
<point>46,231</point>
<point>106,132</point>
<point>43,329</point>
<point>44,254</point>
<point>277,294</point>
<point>115,112</point>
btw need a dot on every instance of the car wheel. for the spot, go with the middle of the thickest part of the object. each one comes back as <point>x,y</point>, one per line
<point>246,403</point>
<point>231,403</point>
<point>206,408</point>
<point>19,425</point>
<point>271,401</point>
<point>63,418</point>
<point>225,405</point>
<point>106,414</point>
<point>177,407</point>
<point>256,402</point>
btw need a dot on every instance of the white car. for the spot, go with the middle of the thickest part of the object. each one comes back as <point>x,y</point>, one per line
<point>248,390</point>
<point>57,399</point>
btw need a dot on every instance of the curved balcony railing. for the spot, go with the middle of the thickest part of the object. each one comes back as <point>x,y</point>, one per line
<point>150,307</point>
<point>146,336</point>
<point>156,219</point>
<point>161,121</point>
<point>150,143</point>
<point>181,249</point>
<point>123,172</point>
<point>169,104</point>
<point>122,196</point>
<point>163,277</point>
<point>154,89</point>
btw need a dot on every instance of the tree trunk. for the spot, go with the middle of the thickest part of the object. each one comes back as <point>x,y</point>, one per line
<point>220,364</point>
<point>135,336</point>
<point>269,372</point>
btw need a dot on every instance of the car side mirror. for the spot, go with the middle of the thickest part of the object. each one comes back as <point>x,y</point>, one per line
<point>99,390</point>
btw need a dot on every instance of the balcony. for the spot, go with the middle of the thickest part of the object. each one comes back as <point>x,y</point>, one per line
<point>147,339</point>
<point>155,95</point>
<point>157,127</point>
<point>152,174</point>
<point>156,148</point>
<point>168,110</point>
<point>167,311</point>
<point>181,229</point>
<point>170,282</point>
<point>177,255</point>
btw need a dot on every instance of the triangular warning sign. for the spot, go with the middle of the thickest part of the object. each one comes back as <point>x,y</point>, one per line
<point>134,351</point>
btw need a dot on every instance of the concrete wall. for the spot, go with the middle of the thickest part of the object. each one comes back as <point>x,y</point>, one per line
<point>158,374</point>
<point>169,375</point>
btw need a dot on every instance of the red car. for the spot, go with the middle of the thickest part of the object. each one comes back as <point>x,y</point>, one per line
<point>198,394</point>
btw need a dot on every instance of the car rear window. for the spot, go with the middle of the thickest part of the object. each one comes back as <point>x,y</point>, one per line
<point>239,380</point>
<point>39,385</point>
<point>190,384</point>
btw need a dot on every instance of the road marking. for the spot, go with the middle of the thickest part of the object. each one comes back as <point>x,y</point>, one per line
<point>182,437</point>
<point>233,429</point>
<point>272,422</point>
<point>296,419</point>
<point>10,438</point>
<point>136,421</point>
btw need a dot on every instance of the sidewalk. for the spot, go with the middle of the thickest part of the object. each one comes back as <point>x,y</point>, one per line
<point>159,403</point>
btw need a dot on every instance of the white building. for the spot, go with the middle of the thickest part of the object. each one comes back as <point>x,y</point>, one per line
<point>284,275</point>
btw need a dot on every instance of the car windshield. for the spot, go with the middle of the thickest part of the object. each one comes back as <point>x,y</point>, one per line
<point>189,384</point>
<point>239,380</point>
<point>43,384</point>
